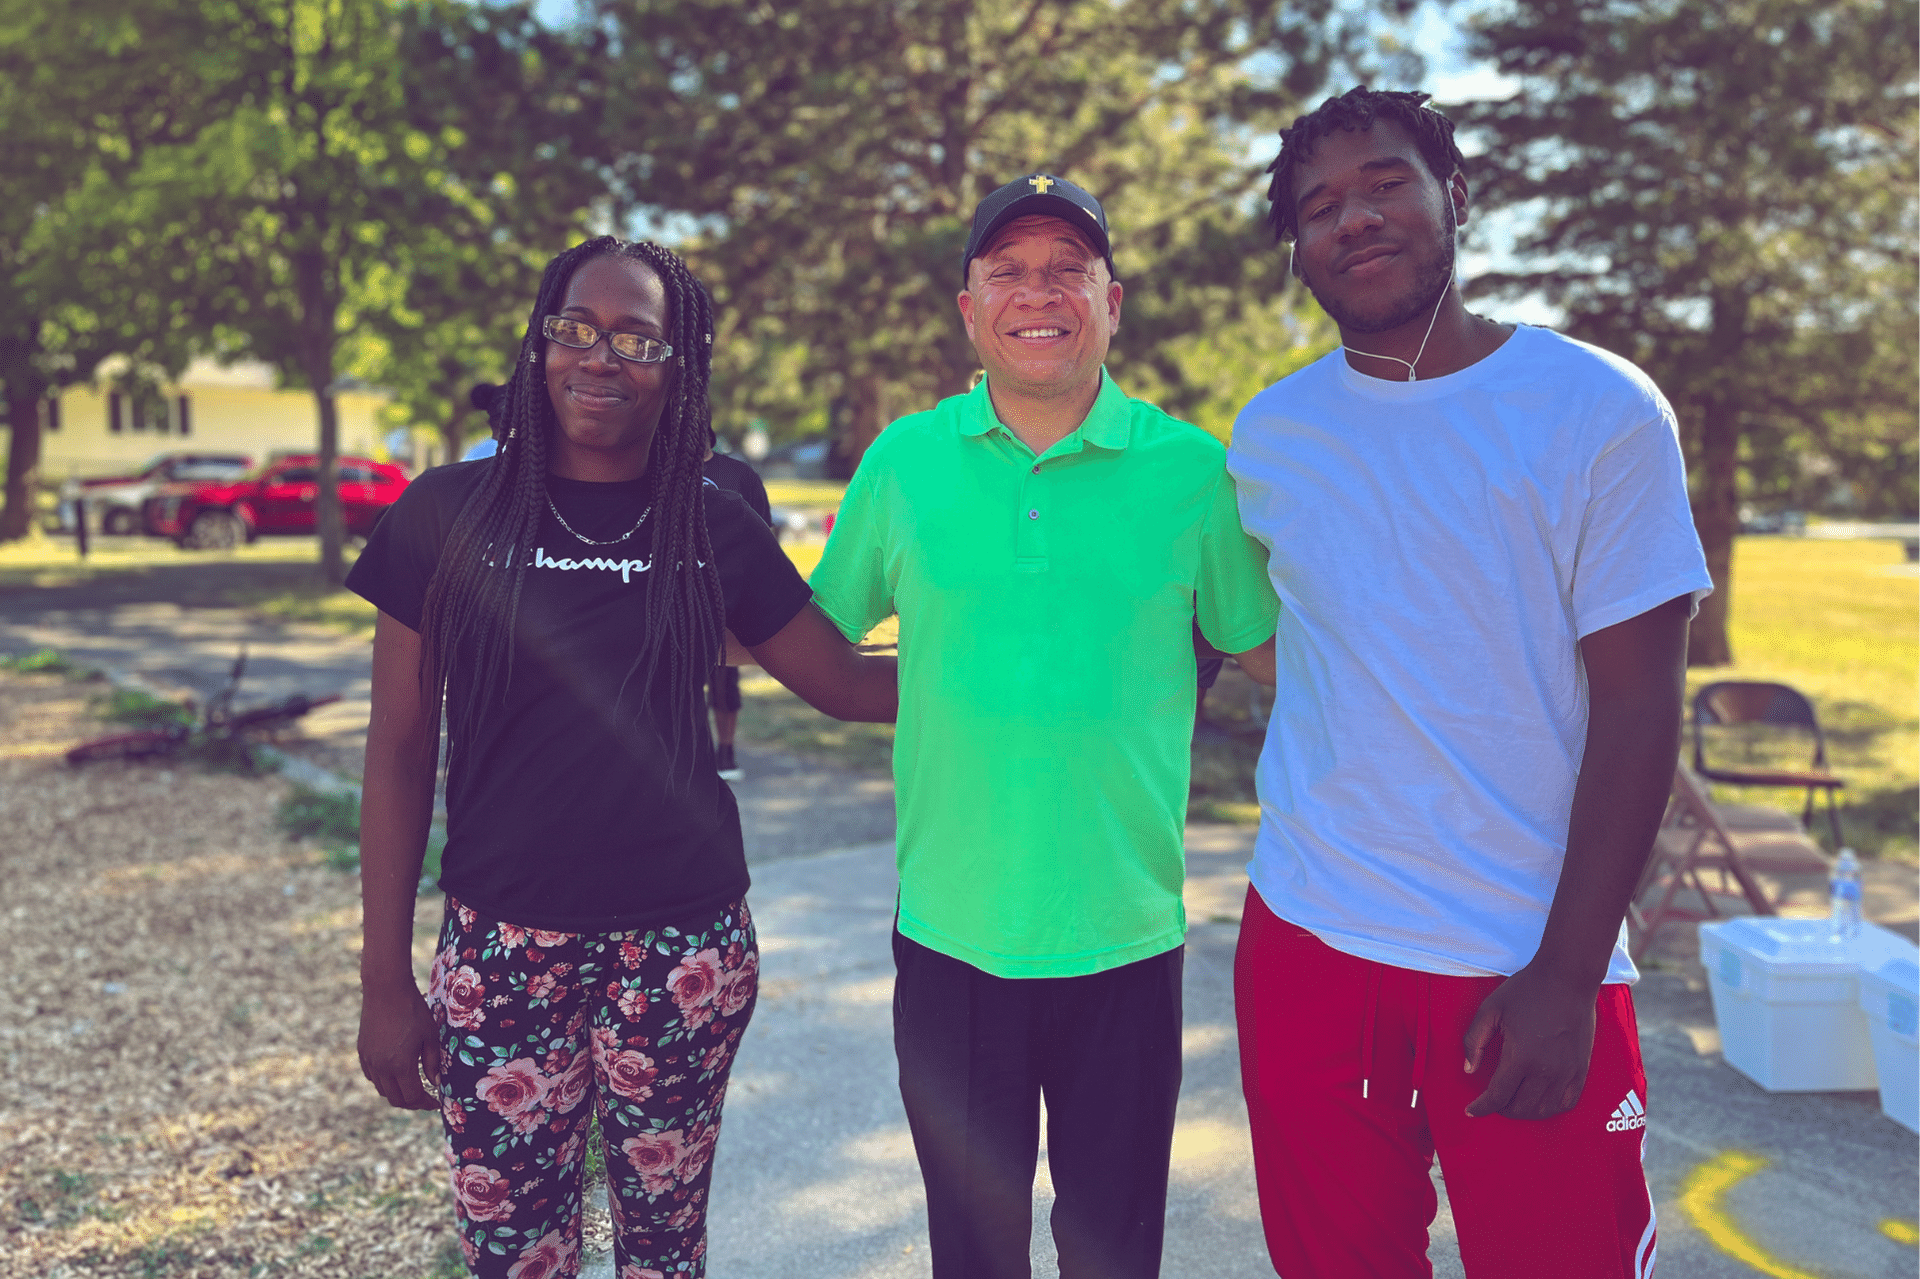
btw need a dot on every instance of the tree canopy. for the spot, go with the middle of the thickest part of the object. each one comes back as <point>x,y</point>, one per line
<point>517,140</point>
<point>85,95</point>
<point>825,157</point>
<point>1723,192</point>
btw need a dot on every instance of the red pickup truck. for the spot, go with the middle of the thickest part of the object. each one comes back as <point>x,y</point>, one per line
<point>278,498</point>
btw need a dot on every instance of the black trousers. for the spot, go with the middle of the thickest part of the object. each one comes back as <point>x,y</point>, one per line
<point>978,1052</point>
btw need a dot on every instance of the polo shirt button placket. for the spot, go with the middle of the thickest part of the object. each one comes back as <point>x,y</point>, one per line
<point>1030,552</point>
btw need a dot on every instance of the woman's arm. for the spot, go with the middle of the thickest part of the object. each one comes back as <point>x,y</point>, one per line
<point>810,656</point>
<point>398,1042</point>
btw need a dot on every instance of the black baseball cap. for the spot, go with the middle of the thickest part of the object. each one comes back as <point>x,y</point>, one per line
<point>1037,194</point>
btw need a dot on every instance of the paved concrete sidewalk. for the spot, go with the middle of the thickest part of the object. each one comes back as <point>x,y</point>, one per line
<point>816,1178</point>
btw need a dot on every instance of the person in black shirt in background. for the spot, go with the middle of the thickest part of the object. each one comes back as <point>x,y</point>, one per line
<point>566,600</point>
<point>723,690</point>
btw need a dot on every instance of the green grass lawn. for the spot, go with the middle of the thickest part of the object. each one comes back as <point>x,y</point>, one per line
<point>46,560</point>
<point>806,495</point>
<point>275,576</point>
<point>1840,621</point>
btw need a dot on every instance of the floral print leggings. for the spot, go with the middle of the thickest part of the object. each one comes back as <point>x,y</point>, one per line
<point>533,1026</point>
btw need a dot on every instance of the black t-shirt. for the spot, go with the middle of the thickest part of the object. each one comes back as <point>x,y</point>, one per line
<point>739,476</point>
<point>560,812</point>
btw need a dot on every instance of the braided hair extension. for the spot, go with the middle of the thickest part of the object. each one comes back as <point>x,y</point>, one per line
<point>474,594</point>
<point>1357,109</point>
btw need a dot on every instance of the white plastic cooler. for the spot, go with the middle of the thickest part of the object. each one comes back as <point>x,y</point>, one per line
<point>1787,999</point>
<point>1890,997</point>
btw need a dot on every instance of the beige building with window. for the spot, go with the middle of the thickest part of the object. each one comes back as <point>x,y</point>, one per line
<point>92,431</point>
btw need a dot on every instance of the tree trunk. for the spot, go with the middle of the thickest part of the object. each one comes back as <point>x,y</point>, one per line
<point>1716,517</point>
<point>23,466</point>
<point>327,514</point>
<point>866,418</point>
<point>453,433</point>
<point>317,285</point>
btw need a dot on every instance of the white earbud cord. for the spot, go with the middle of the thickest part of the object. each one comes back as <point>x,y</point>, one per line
<point>1412,376</point>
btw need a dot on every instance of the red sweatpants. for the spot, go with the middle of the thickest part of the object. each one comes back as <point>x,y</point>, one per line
<point>1344,1178</point>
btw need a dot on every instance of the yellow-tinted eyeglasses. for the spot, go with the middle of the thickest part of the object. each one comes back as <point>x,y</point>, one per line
<point>580,335</point>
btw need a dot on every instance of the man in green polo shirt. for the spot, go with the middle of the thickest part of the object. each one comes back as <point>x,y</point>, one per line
<point>1050,546</point>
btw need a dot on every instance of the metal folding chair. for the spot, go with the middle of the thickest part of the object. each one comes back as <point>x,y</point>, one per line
<point>1764,721</point>
<point>1735,845</point>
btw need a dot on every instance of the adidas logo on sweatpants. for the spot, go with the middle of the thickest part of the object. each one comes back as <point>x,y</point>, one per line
<point>1628,1115</point>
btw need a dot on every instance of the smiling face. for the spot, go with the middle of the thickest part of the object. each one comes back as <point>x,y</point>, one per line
<point>608,408</point>
<point>1040,309</point>
<point>1376,228</point>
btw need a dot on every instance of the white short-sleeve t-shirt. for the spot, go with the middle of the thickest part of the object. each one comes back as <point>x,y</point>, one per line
<point>1439,549</point>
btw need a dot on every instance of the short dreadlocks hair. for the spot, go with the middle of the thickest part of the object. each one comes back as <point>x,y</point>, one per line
<point>1356,110</point>
<point>474,592</point>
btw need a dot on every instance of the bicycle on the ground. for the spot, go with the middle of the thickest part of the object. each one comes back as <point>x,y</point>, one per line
<point>222,734</point>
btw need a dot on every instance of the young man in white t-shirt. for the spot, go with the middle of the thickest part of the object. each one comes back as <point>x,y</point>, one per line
<point>1480,537</point>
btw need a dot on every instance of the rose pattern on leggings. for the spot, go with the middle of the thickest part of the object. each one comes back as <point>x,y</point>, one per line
<point>539,1030</point>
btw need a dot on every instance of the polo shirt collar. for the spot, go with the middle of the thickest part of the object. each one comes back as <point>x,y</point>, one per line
<point>1108,424</point>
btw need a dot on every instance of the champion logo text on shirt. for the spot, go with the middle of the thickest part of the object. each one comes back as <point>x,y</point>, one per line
<point>625,568</point>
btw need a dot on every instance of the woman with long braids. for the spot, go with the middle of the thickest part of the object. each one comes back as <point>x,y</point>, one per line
<point>564,601</point>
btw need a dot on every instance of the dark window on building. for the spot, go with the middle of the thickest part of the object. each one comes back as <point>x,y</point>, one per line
<point>184,422</point>
<point>115,422</point>
<point>50,414</point>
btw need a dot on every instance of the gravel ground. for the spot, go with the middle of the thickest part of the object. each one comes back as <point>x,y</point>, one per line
<point>177,1015</point>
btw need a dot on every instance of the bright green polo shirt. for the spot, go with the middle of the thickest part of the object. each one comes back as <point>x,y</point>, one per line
<point>1046,669</point>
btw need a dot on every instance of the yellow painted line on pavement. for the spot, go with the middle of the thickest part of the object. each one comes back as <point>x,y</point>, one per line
<point>1899,1231</point>
<point>1700,1196</point>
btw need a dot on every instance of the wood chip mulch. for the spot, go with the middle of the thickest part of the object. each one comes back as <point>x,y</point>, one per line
<point>178,1004</point>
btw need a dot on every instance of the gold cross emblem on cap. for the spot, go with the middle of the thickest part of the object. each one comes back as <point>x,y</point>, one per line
<point>1040,184</point>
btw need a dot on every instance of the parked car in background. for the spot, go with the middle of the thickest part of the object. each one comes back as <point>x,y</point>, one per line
<point>802,460</point>
<point>114,501</point>
<point>280,497</point>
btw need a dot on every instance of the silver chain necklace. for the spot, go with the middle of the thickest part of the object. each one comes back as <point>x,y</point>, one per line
<point>612,541</point>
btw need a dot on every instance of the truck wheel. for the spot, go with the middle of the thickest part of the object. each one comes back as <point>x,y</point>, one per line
<point>119,520</point>
<point>215,531</point>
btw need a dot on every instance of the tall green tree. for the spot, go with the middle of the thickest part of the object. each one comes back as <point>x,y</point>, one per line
<point>501,93</point>
<point>822,158</point>
<point>274,229</point>
<point>80,92</point>
<point>1723,191</point>
<point>33,159</point>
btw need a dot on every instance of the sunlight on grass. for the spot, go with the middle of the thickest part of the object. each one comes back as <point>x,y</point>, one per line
<point>805,555</point>
<point>53,561</point>
<point>1840,621</point>
<point>312,602</point>
<point>806,495</point>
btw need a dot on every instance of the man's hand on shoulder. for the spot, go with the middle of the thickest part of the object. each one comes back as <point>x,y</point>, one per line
<point>1545,1024</point>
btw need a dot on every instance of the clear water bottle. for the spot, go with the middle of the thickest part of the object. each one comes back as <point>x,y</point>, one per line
<point>1844,895</point>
